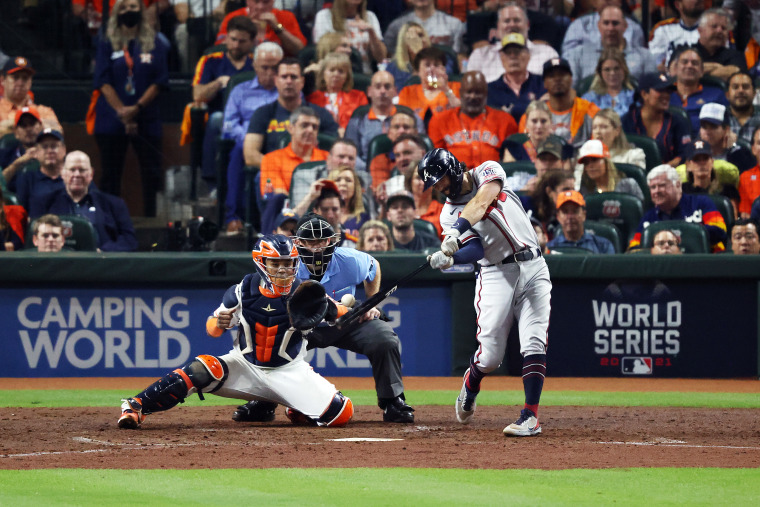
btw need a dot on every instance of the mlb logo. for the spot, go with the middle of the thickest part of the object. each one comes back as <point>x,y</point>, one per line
<point>611,209</point>
<point>637,365</point>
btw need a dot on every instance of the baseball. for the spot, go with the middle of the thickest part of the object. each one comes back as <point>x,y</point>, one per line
<point>348,300</point>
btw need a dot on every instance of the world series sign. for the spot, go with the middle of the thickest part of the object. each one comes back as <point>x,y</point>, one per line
<point>652,328</point>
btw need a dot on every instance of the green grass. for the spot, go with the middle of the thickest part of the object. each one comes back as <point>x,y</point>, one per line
<point>110,398</point>
<point>399,486</point>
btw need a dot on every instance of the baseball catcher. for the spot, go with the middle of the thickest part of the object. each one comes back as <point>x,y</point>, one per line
<point>273,311</point>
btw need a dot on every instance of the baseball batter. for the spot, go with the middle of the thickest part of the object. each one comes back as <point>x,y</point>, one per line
<point>267,358</point>
<point>484,221</point>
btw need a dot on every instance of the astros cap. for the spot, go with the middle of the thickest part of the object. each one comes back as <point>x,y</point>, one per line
<point>17,64</point>
<point>570,196</point>
<point>32,111</point>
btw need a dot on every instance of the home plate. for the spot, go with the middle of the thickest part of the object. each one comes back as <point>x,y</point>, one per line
<point>363,439</point>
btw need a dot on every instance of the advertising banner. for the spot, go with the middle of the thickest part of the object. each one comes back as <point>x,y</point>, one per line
<point>653,328</point>
<point>120,332</point>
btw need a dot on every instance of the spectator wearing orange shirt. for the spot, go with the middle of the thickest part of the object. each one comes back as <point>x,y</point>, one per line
<point>17,81</point>
<point>435,93</point>
<point>273,24</point>
<point>335,89</point>
<point>277,166</point>
<point>473,132</point>
<point>402,122</point>
<point>749,181</point>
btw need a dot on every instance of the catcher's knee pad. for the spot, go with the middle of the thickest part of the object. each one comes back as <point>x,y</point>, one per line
<point>207,373</point>
<point>338,413</point>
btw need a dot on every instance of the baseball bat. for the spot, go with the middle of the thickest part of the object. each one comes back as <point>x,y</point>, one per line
<point>375,300</point>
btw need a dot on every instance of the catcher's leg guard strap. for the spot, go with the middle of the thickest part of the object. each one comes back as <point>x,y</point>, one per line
<point>338,413</point>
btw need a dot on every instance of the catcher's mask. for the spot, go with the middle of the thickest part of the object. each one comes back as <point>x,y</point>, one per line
<point>438,163</point>
<point>276,260</point>
<point>316,241</point>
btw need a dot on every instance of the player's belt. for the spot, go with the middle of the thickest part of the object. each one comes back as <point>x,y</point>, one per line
<point>522,256</point>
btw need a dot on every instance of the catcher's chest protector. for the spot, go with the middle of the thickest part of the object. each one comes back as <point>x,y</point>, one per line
<point>264,328</point>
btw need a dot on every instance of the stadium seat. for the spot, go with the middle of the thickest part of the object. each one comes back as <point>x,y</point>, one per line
<point>79,233</point>
<point>378,145</point>
<point>651,151</point>
<point>571,250</point>
<point>584,85</point>
<point>715,82</point>
<point>725,207</point>
<point>679,111</point>
<point>622,210</point>
<point>693,236</point>
<point>606,230</point>
<point>518,138</point>
<point>361,82</point>
<point>638,174</point>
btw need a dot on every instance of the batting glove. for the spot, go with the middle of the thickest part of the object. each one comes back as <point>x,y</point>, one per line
<point>440,260</point>
<point>450,243</point>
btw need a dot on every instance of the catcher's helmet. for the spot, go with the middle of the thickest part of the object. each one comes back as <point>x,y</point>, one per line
<point>276,260</point>
<point>438,163</point>
<point>316,241</point>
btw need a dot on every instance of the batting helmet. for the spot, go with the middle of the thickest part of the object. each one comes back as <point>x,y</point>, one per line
<point>438,163</point>
<point>316,241</point>
<point>276,260</point>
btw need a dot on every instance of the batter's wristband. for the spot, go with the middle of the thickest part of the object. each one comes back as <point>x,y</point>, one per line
<point>462,225</point>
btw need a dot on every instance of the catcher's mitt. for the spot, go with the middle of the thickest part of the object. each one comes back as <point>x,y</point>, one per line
<point>309,305</point>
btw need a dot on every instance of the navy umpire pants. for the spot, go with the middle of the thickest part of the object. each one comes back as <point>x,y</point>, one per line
<point>376,340</point>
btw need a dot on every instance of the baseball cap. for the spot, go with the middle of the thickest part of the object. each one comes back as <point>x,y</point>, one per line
<point>657,81</point>
<point>285,216</point>
<point>401,194</point>
<point>552,145</point>
<point>513,39</point>
<point>50,132</point>
<point>593,148</point>
<point>698,147</point>
<point>556,63</point>
<point>27,110</point>
<point>714,113</point>
<point>329,185</point>
<point>570,196</point>
<point>17,64</point>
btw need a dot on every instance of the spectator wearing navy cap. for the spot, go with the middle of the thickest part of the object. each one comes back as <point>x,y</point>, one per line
<point>130,72</point>
<point>22,152</point>
<point>401,211</point>
<point>649,116</point>
<point>32,185</point>
<point>17,82</point>
<point>285,223</point>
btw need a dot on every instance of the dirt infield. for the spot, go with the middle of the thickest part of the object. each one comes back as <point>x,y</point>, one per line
<point>206,437</point>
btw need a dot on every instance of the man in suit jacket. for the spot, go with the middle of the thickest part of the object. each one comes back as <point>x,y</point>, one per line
<point>107,213</point>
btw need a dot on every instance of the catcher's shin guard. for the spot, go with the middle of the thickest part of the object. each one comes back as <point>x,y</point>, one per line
<point>173,388</point>
<point>338,413</point>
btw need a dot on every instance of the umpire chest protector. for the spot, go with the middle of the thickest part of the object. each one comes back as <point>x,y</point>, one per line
<point>264,334</point>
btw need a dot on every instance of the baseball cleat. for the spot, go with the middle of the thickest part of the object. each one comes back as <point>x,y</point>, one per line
<point>255,411</point>
<point>397,411</point>
<point>131,414</point>
<point>465,405</point>
<point>525,426</point>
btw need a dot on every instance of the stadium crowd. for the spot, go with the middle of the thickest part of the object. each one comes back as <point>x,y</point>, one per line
<point>328,107</point>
